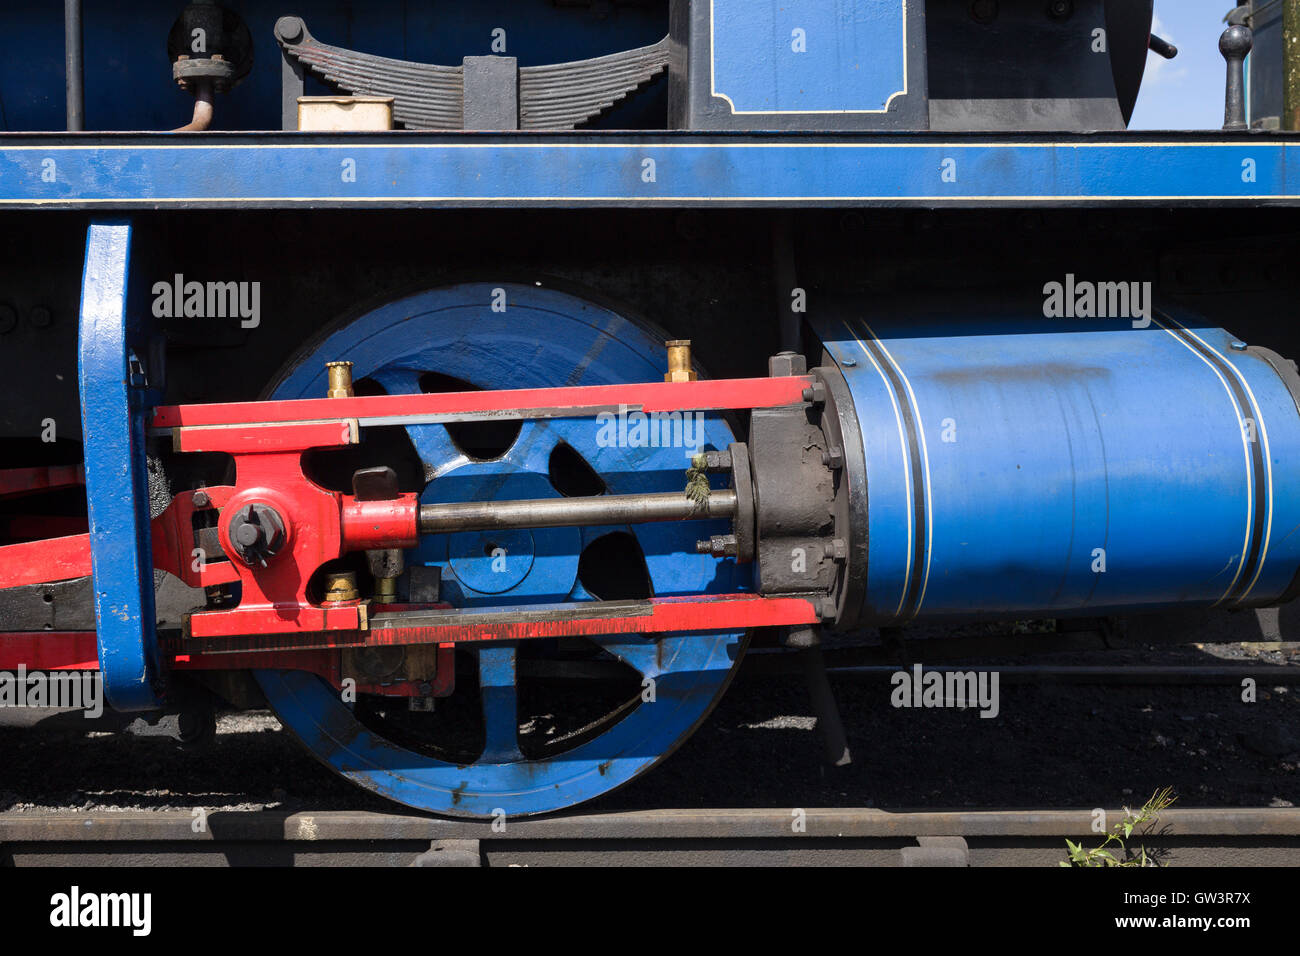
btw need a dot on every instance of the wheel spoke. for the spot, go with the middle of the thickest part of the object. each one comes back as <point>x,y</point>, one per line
<point>432,442</point>
<point>642,654</point>
<point>497,686</point>
<point>532,449</point>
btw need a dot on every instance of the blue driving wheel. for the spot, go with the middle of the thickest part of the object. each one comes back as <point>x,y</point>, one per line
<point>532,726</point>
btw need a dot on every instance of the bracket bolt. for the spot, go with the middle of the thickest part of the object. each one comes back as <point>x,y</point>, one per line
<point>833,457</point>
<point>719,546</point>
<point>815,393</point>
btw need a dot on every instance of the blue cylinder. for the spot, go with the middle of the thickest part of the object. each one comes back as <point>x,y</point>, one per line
<point>1022,466</point>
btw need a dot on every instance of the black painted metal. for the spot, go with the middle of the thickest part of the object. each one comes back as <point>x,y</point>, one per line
<point>1235,45</point>
<point>475,95</point>
<point>491,92</point>
<point>572,512</point>
<point>73,65</point>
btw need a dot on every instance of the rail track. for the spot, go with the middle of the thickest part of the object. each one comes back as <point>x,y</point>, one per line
<point>685,837</point>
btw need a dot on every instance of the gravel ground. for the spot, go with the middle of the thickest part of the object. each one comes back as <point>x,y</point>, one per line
<point>1050,746</point>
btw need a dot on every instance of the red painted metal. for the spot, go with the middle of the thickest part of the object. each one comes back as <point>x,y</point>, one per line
<point>77,651</point>
<point>657,615</point>
<point>257,439</point>
<point>380,524</point>
<point>705,612</point>
<point>15,482</point>
<point>173,540</point>
<point>320,526</point>
<point>268,439</point>
<point>704,395</point>
<point>49,651</point>
<point>711,612</point>
<point>40,562</point>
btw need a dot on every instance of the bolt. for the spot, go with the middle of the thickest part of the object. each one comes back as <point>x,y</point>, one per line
<point>257,533</point>
<point>1239,346</point>
<point>719,546</point>
<point>200,499</point>
<point>718,460</point>
<point>849,362</point>
<point>828,610</point>
<point>1060,9</point>
<point>289,29</point>
<point>815,393</point>
<point>40,317</point>
<point>787,363</point>
<point>833,457</point>
<point>836,549</point>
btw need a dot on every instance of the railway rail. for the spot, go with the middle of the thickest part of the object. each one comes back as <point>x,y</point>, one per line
<point>679,837</point>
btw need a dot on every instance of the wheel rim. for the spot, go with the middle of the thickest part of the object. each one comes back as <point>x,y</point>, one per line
<point>543,338</point>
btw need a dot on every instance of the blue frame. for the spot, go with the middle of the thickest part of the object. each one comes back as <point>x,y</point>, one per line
<point>401,170</point>
<point>114,402</point>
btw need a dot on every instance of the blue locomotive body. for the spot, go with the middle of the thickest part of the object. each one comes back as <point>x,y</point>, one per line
<point>377,391</point>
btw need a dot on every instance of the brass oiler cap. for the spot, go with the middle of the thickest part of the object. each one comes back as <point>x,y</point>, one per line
<point>340,380</point>
<point>341,587</point>
<point>679,361</point>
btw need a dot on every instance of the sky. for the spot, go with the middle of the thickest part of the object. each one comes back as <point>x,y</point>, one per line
<point>1187,91</point>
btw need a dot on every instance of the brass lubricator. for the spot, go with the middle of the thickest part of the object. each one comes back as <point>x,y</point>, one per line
<point>340,380</point>
<point>679,361</point>
<point>341,587</point>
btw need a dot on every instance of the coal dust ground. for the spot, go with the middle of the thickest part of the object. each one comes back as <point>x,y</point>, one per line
<point>1050,746</point>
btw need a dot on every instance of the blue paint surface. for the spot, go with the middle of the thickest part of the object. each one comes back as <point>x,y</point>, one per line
<point>526,169</point>
<point>808,55</point>
<point>1007,459</point>
<point>117,493</point>
<point>544,338</point>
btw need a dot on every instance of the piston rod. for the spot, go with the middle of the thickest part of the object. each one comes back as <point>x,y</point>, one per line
<point>572,512</point>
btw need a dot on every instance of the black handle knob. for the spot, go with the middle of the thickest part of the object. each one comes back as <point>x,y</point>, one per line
<point>1235,45</point>
<point>1162,47</point>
